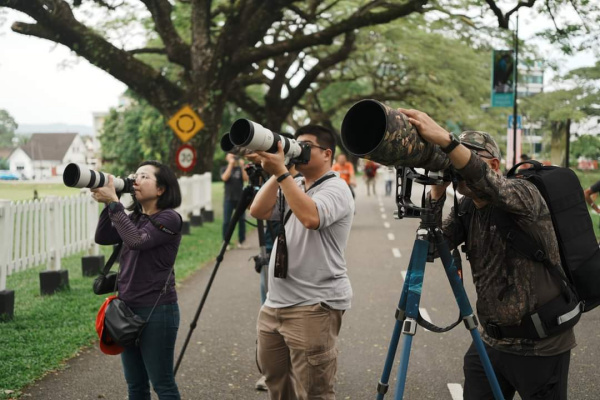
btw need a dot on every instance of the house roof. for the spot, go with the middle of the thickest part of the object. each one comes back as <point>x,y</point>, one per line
<point>6,151</point>
<point>48,146</point>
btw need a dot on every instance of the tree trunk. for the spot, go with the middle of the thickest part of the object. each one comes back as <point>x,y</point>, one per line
<point>558,143</point>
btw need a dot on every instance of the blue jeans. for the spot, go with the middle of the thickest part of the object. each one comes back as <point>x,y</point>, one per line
<point>152,361</point>
<point>229,207</point>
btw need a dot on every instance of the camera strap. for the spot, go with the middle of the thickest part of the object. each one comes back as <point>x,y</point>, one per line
<point>281,255</point>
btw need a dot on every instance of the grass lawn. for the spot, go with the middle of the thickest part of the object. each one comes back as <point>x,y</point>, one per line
<point>48,330</point>
<point>11,190</point>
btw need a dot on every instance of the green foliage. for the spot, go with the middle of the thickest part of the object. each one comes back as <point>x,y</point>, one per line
<point>133,135</point>
<point>406,64</point>
<point>4,163</point>
<point>586,146</point>
<point>7,128</point>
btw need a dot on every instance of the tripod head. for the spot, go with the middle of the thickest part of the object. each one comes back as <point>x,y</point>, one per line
<point>256,174</point>
<point>404,180</point>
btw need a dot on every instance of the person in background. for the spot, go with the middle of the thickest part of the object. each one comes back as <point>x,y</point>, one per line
<point>591,194</point>
<point>146,276</point>
<point>346,171</point>
<point>370,176</point>
<point>389,174</point>
<point>234,175</point>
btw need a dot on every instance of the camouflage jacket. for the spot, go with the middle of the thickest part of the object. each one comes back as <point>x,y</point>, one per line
<point>508,285</point>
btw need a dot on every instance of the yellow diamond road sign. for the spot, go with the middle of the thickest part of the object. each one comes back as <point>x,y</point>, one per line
<point>186,123</point>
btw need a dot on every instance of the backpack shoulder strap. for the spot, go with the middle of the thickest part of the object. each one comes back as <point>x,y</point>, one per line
<point>523,243</point>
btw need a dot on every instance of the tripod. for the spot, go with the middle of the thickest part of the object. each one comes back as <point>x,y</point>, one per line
<point>428,238</point>
<point>255,175</point>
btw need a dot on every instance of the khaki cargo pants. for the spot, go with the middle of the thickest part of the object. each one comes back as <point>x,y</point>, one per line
<point>297,351</point>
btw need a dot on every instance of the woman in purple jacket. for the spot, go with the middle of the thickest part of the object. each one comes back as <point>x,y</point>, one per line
<point>146,270</point>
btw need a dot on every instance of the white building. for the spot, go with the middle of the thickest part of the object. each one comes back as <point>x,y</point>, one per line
<point>47,154</point>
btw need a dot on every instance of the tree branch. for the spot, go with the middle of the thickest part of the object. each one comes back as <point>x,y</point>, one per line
<point>55,22</point>
<point>148,50</point>
<point>324,64</point>
<point>358,20</point>
<point>176,49</point>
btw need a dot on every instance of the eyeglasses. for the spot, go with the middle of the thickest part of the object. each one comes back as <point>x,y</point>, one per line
<point>143,177</point>
<point>311,145</point>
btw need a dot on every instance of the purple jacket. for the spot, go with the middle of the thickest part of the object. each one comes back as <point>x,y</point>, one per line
<point>147,256</point>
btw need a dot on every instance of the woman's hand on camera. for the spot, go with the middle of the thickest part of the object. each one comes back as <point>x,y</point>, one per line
<point>107,193</point>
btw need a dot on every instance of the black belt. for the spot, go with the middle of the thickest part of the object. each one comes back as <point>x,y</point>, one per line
<point>554,317</point>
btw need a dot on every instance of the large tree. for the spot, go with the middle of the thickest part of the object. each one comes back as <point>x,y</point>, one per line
<point>7,128</point>
<point>214,50</point>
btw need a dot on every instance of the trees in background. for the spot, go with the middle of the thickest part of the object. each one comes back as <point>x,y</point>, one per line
<point>8,126</point>
<point>262,55</point>
<point>579,101</point>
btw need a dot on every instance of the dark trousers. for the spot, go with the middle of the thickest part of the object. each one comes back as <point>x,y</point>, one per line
<point>152,361</point>
<point>229,207</point>
<point>533,377</point>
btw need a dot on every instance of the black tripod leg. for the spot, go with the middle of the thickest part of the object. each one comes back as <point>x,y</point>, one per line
<point>247,197</point>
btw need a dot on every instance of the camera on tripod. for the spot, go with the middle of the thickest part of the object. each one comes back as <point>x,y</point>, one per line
<point>79,176</point>
<point>246,136</point>
<point>377,132</point>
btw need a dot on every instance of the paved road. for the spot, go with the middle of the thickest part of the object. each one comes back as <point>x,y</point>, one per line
<point>219,362</point>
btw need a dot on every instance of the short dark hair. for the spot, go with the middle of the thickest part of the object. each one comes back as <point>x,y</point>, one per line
<point>166,179</point>
<point>325,136</point>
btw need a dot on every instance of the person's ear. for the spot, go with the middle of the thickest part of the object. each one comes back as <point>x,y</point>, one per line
<point>495,164</point>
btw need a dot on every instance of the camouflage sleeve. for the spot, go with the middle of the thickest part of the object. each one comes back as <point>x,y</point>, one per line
<point>515,196</point>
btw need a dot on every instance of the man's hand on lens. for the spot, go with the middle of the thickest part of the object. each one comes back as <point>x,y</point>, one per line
<point>427,127</point>
<point>273,163</point>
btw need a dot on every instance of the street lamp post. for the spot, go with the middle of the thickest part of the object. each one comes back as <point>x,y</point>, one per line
<point>516,75</point>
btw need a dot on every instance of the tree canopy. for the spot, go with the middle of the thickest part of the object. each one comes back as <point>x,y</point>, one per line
<point>207,53</point>
<point>7,128</point>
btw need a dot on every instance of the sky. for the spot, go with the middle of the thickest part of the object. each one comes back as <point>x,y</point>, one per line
<point>37,88</point>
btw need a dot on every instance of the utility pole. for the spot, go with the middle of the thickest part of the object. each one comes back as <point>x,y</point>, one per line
<point>516,75</point>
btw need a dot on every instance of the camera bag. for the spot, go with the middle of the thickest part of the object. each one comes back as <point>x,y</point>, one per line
<point>579,270</point>
<point>579,251</point>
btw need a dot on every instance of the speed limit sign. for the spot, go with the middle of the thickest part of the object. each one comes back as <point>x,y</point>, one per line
<point>186,158</point>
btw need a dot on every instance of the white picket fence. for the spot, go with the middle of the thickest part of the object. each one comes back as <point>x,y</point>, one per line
<point>35,232</point>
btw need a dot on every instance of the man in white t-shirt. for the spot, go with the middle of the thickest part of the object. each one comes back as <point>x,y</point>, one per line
<point>299,323</point>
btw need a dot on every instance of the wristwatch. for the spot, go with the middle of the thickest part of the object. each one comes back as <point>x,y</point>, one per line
<point>453,143</point>
<point>283,176</point>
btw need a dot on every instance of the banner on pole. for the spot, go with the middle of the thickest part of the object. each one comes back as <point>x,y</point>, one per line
<point>503,78</point>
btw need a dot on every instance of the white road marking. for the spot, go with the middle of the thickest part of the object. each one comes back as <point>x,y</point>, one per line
<point>396,252</point>
<point>383,216</point>
<point>403,275</point>
<point>456,391</point>
<point>386,225</point>
<point>382,209</point>
<point>391,236</point>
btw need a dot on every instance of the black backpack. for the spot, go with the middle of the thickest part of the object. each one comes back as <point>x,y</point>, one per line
<point>579,251</point>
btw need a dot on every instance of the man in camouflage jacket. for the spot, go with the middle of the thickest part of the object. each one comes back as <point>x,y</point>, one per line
<point>508,284</point>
